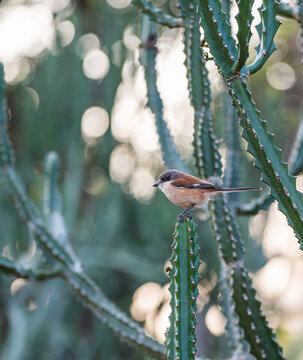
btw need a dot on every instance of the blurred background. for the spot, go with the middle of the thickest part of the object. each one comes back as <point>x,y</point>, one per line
<point>75,86</point>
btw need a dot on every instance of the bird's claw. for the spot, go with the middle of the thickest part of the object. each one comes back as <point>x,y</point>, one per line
<point>183,216</point>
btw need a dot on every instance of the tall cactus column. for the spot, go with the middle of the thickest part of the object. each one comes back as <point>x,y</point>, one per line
<point>181,337</point>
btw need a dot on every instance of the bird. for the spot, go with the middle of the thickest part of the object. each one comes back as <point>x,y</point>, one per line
<point>188,191</point>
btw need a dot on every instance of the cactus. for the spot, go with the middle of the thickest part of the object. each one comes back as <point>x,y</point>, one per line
<point>247,328</point>
<point>249,335</point>
<point>181,337</point>
<point>148,61</point>
<point>58,247</point>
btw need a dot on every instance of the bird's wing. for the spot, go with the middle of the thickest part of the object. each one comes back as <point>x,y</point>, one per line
<point>192,182</point>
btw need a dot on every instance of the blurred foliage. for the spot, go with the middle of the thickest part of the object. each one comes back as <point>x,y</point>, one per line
<point>123,242</point>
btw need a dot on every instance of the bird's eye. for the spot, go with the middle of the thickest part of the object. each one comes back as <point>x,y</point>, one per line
<point>165,178</point>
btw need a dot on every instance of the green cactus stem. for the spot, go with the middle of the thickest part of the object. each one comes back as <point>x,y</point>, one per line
<point>148,61</point>
<point>244,19</point>
<point>268,157</point>
<point>225,228</point>
<point>85,288</point>
<point>10,267</point>
<point>293,12</point>
<point>198,86</point>
<point>156,14</point>
<point>184,276</point>
<point>252,208</point>
<point>266,29</point>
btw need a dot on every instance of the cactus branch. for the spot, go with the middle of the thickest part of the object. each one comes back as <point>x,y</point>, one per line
<point>156,14</point>
<point>148,61</point>
<point>244,19</point>
<point>266,30</point>
<point>293,12</point>
<point>181,340</point>
<point>87,291</point>
<point>268,158</point>
<point>198,86</point>
<point>10,267</point>
<point>253,207</point>
<point>217,33</point>
<point>231,251</point>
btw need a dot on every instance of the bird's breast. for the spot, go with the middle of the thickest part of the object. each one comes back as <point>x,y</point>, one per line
<point>185,197</point>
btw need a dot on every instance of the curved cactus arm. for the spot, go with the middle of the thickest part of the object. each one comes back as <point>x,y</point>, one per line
<point>198,86</point>
<point>52,204</point>
<point>156,14</point>
<point>256,330</point>
<point>217,33</point>
<point>90,294</point>
<point>253,207</point>
<point>93,298</point>
<point>184,275</point>
<point>148,61</point>
<point>84,287</point>
<point>10,267</point>
<point>293,12</point>
<point>268,157</point>
<point>266,30</point>
<point>244,19</point>
<point>28,214</point>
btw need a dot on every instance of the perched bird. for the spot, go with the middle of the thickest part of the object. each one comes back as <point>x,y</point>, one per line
<point>189,191</point>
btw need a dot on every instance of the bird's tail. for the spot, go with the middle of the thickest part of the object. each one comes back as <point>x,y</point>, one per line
<point>239,189</point>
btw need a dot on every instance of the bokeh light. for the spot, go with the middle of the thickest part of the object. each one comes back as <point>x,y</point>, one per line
<point>119,4</point>
<point>96,64</point>
<point>86,43</point>
<point>146,298</point>
<point>25,31</point>
<point>215,321</point>
<point>97,181</point>
<point>55,5</point>
<point>122,164</point>
<point>94,122</point>
<point>17,285</point>
<point>273,278</point>
<point>141,184</point>
<point>66,31</point>
<point>280,76</point>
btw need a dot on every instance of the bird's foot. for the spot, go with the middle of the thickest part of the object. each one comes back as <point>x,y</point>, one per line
<point>183,216</point>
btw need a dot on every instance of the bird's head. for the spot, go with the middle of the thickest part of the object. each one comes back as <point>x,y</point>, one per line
<point>167,177</point>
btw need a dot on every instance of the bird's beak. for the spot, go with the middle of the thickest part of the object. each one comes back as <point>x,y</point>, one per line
<point>157,183</point>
